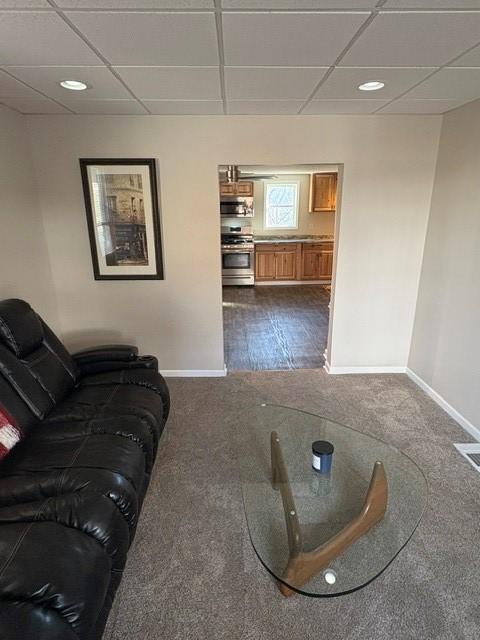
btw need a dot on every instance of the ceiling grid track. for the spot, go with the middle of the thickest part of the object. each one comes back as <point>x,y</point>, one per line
<point>40,93</point>
<point>221,54</point>
<point>271,86</point>
<point>362,28</point>
<point>444,66</point>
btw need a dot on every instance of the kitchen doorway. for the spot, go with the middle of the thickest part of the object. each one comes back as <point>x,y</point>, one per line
<point>277,251</point>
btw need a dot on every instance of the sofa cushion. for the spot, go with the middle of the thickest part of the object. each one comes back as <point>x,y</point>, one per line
<point>99,451</point>
<point>22,619</point>
<point>129,380</point>
<point>126,426</point>
<point>31,486</point>
<point>58,569</point>
<point>20,327</point>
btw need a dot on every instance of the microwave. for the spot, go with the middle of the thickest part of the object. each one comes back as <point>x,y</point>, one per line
<point>236,207</point>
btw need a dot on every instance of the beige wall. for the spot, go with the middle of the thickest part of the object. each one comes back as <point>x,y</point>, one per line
<point>308,223</point>
<point>388,175</point>
<point>445,350</point>
<point>24,265</point>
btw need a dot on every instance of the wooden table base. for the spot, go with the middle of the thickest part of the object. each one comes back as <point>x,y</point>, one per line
<point>303,566</point>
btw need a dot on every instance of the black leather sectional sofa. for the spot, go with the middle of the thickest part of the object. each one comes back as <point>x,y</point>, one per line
<point>71,490</point>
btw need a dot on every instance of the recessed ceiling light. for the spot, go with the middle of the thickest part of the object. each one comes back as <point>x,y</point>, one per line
<point>375,85</point>
<point>73,85</point>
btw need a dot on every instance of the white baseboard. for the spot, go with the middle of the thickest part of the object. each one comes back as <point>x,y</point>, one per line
<point>194,373</point>
<point>344,370</point>
<point>452,412</point>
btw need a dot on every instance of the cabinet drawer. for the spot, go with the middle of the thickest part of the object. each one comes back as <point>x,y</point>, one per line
<point>318,246</point>
<point>277,246</point>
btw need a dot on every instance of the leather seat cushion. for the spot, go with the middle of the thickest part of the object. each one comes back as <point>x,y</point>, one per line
<point>142,432</point>
<point>97,451</point>
<point>111,405</point>
<point>20,619</point>
<point>147,379</point>
<point>33,486</point>
<point>74,603</point>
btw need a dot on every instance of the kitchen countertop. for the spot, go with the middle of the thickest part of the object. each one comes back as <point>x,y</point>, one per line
<point>274,239</point>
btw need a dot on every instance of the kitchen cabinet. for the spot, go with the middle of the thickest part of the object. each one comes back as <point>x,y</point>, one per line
<point>293,261</point>
<point>277,261</point>
<point>243,188</point>
<point>325,262</point>
<point>264,265</point>
<point>317,261</point>
<point>323,192</point>
<point>286,265</point>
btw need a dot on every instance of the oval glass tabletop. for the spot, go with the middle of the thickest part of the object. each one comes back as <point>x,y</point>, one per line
<point>324,534</point>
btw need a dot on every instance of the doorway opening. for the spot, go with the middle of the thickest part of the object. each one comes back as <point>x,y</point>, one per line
<point>277,253</point>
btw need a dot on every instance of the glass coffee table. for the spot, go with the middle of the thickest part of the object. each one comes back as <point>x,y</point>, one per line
<point>324,534</point>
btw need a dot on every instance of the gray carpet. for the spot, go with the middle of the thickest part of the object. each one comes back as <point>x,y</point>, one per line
<point>192,573</point>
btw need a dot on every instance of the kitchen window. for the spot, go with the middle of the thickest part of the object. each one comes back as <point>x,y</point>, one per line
<point>281,205</point>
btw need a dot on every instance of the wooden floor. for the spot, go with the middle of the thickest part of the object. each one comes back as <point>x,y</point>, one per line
<point>275,327</point>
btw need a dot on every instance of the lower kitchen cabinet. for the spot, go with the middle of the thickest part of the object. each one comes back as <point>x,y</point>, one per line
<point>286,265</point>
<point>265,265</point>
<point>293,261</point>
<point>325,264</point>
<point>317,261</point>
<point>277,261</point>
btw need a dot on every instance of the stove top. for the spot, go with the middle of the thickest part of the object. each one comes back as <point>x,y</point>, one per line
<point>235,239</point>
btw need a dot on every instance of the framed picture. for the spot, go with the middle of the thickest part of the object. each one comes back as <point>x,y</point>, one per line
<point>121,202</point>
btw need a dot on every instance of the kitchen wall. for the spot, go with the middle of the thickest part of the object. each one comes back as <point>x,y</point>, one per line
<point>388,168</point>
<point>308,223</point>
<point>24,264</point>
<point>445,350</point>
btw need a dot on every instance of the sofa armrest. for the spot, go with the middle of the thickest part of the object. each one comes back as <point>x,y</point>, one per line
<point>112,357</point>
<point>106,353</point>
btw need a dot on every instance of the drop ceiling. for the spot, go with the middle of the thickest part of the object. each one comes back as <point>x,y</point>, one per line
<point>239,56</point>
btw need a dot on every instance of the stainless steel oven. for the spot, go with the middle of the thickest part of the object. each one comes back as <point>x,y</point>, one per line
<point>238,256</point>
<point>236,207</point>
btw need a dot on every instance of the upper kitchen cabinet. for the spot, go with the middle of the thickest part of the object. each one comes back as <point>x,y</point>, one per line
<point>242,188</point>
<point>323,192</point>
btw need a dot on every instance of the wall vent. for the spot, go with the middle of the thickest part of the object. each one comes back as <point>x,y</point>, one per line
<point>470,452</point>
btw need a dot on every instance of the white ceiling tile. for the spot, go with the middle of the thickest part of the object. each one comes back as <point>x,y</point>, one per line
<point>343,82</point>
<point>470,59</point>
<point>172,83</point>
<point>24,4</point>
<point>342,106</point>
<point>298,4</point>
<point>287,39</point>
<point>170,39</point>
<point>414,39</point>
<point>106,107</point>
<point>135,4</point>
<point>184,107</point>
<point>11,88</point>
<point>33,105</point>
<point>449,84</point>
<point>264,107</point>
<point>421,106</point>
<point>101,82</point>
<point>246,83</point>
<point>31,37</point>
<point>432,4</point>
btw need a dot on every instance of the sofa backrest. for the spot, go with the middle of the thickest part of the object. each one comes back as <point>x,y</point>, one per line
<point>32,359</point>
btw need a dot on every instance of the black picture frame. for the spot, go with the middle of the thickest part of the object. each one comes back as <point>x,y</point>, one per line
<point>151,226</point>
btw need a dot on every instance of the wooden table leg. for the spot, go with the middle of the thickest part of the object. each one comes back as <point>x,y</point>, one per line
<point>303,566</point>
